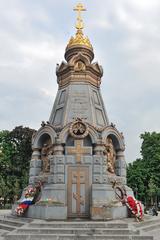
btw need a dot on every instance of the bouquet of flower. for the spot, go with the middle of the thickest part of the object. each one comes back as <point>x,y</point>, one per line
<point>30,193</point>
<point>20,210</point>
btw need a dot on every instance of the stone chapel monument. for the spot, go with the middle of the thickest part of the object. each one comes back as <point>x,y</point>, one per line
<point>77,154</point>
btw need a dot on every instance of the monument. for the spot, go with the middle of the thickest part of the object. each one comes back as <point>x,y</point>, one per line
<point>78,154</point>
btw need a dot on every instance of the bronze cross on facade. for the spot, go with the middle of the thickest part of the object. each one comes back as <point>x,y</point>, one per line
<point>79,180</point>
<point>79,150</point>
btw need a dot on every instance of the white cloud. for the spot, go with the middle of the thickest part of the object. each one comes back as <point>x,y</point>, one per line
<point>45,50</point>
<point>46,92</point>
<point>145,4</point>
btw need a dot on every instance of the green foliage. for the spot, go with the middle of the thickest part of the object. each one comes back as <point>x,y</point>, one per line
<point>15,154</point>
<point>143,175</point>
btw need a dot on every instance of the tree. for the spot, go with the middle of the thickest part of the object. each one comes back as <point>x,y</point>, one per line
<point>15,154</point>
<point>144,173</point>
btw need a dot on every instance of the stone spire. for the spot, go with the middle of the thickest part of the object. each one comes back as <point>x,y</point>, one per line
<point>79,83</point>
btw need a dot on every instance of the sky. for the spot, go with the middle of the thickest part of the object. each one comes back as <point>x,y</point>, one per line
<point>125,35</point>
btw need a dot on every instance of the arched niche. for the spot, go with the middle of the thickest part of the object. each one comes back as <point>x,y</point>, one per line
<point>114,147</point>
<point>87,141</point>
<point>45,135</point>
<point>44,139</point>
<point>79,66</point>
<point>117,138</point>
<point>70,141</point>
<point>79,57</point>
<point>78,147</point>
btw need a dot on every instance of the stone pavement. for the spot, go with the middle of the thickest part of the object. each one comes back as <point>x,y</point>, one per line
<point>154,228</point>
<point>150,226</point>
<point>2,213</point>
<point>5,212</point>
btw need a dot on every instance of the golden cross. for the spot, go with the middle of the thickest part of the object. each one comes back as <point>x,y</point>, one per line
<point>79,150</point>
<point>79,8</point>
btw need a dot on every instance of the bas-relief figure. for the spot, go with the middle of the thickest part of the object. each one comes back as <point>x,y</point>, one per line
<point>80,66</point>
<point>111,155</point>
<point>79,168</point>
<point>46,151</point>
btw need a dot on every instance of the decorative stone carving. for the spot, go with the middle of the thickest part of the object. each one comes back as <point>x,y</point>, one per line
<point>111,155</point>
<point>58,147</point>
<point>78,129</point>
<point>99,149</point>
<point>80,66</point>
<point>45,152</point>
<point>36,154</point>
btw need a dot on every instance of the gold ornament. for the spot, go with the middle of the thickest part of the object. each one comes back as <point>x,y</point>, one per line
<point>78,129</point>
<point>79,38</point>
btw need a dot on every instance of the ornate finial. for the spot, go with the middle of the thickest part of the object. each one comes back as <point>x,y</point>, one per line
<point>79,38</point>
<point>79,8</point>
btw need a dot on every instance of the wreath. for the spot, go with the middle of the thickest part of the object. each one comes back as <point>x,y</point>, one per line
<point>30,195</point>
<point>133,205</point>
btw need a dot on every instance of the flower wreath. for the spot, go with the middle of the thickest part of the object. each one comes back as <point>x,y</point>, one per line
<point>134,205</point>
<point>29,197</point>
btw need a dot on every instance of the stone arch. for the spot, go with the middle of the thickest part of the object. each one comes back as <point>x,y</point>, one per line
<point>117,138</point>
<point>64,134</point>
<point>88,141</point>
<point>43,135</point>
<point>79,57</point>
<point>69,140</point>
<point>91,132</point>
<point>116,163</point>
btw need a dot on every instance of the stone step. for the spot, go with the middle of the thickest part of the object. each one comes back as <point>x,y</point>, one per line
<point>11,222</point>
<point>6,227</point>
<point>145,223</point>
<point>16,218</point>
<point>3,232</point>
<point>76,225</point>
<point>78,231</point>
<point>142,238</point>
<point>74,237</point>
<point>150,227</point>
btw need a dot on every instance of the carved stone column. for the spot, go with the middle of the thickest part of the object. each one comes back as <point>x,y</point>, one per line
<point>58,148</point>
<point>36,155</point>
<point>120,164</point>
<point>99,148</point>
<point>36,163</point>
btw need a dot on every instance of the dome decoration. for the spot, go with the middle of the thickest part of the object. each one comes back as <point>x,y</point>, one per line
<point>79,38</point>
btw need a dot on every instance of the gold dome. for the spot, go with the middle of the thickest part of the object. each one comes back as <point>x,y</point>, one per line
<point>79,38</point>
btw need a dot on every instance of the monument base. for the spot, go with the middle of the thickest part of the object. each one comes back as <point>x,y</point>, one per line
<point>44,212</point>
<point>104,213</point>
